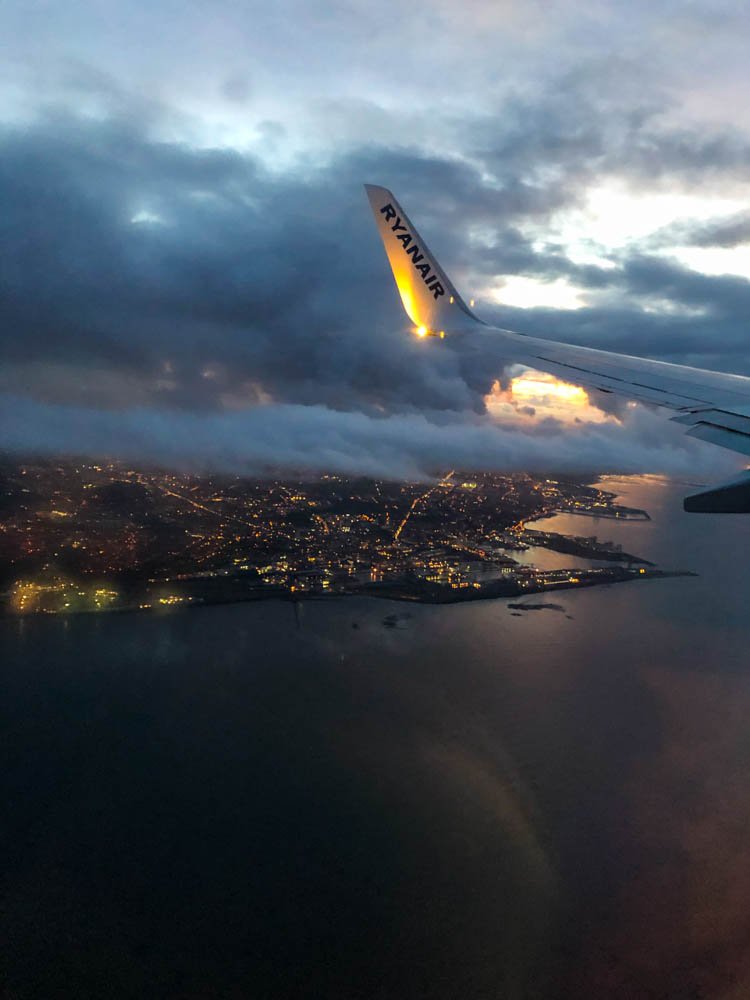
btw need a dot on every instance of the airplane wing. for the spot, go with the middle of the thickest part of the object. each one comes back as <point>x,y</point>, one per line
<point>714,406</point>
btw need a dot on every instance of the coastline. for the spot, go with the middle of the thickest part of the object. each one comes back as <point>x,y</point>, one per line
<point>432,594</point>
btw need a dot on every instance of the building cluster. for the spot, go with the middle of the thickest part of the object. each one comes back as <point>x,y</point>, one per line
<point>83,536</point>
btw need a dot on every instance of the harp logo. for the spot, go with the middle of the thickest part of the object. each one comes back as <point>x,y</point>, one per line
<point>411,249</point>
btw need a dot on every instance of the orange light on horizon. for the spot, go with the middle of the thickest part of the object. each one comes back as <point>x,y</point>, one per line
<point>539,385</point>
<point>542,395</point>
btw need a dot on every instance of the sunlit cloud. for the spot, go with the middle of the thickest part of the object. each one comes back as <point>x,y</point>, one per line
<point>537,395</point>
<point>670,307</point>
<point>588,253</point>
<point>715,260</point>
<point>615,218</point>
<point>144,217</point>
<point>615,214</point>
<point>537,385</point>
<point>529,293</point>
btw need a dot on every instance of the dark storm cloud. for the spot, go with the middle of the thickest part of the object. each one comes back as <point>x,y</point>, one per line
<point>167,261</point>
<point>546,145</point>
<point>279,276</point>
<point>729,231</point>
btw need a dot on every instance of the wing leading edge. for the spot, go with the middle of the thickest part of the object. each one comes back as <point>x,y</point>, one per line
<point>715,406</point>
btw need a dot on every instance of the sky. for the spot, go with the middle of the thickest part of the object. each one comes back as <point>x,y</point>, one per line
<point>190,275</point>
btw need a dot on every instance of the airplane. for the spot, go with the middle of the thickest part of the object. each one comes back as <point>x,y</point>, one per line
<point>714,405</point>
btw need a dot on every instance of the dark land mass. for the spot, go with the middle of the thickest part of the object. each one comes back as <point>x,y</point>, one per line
<point>621,514</point>
<point>584,548</point>
<point>501,588</point>
<point>77,536</point>
<point>236,591</point>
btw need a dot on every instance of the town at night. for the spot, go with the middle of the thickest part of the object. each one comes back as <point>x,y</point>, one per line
<point>78,536</point>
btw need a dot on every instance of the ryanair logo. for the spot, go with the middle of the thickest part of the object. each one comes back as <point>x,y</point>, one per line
<point>412,250</point>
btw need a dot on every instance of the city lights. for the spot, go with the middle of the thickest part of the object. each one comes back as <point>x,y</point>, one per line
<point>156,540</point>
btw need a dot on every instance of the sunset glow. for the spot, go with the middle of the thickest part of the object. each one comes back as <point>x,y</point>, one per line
<point>537,395</point>
<point>537,384</point>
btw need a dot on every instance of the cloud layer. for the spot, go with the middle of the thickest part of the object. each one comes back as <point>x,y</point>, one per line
<point>276,437</point>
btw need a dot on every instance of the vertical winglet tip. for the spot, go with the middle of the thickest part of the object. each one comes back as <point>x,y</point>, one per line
<point>428,296</point>
<point>377,191</point>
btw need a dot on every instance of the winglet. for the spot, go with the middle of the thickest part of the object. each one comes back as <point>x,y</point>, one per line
<point>428,295</point>
<point>729,498</point>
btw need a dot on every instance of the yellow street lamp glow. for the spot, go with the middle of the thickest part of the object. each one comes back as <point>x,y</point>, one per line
<point>421,331</point>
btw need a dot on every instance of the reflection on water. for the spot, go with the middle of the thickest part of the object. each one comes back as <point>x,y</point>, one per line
<point>472,804</point>
<point>664,507</point>
<point>656,494</point>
